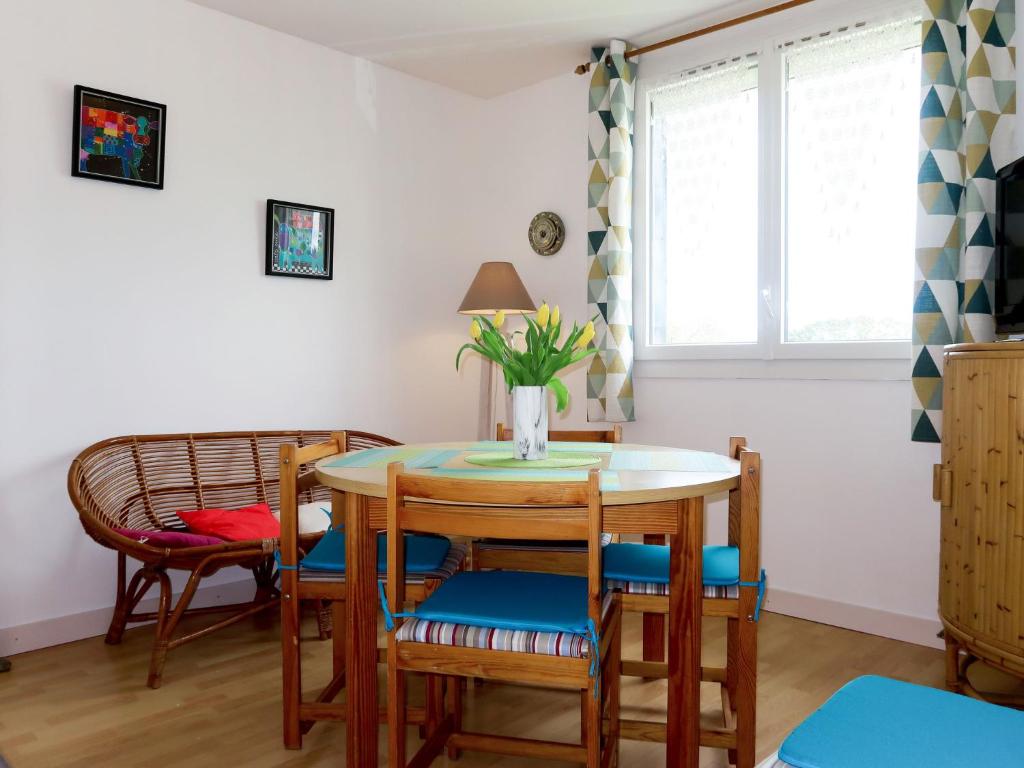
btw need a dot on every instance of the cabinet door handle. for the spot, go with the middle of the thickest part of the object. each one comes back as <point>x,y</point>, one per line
<point>942,485</point>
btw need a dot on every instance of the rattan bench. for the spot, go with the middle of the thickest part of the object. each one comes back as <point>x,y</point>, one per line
<point>139,482</point>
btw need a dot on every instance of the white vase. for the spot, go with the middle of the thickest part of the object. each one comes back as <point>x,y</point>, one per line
<point>530,423</point>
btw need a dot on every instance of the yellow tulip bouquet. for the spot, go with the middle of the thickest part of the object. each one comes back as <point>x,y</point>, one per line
<point>544,355</point>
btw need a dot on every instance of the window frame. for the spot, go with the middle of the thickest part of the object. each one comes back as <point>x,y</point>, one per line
<point>771,351</point>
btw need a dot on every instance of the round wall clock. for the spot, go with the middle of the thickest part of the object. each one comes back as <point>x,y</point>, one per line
<point>547,233</point>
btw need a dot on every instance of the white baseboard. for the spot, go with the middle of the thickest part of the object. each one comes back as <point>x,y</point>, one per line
<point>873,621</point>
<point>77,626</point>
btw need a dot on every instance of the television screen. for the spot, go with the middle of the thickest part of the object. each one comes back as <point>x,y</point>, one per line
<point>1009,298</point>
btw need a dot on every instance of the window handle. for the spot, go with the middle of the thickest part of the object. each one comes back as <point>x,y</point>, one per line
<point>766,297</point>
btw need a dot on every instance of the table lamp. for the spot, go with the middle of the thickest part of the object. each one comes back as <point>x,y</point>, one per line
<point>496,287</point>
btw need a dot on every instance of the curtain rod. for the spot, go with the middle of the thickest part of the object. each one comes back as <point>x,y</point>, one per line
<point>583,68</point>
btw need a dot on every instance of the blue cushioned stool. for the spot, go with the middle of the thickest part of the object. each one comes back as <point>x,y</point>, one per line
<point>875,721</point>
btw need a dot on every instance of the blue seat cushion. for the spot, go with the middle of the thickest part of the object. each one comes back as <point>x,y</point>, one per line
<point>649,563</point>
<point>422,553</point>
<point>875,721</point>
<point>515,600</point>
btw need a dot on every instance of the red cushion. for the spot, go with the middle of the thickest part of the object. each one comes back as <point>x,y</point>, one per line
<point>245,524</point>
<point>169,538</point>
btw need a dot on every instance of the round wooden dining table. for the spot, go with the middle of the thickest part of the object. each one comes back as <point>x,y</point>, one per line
<point>645,490</point>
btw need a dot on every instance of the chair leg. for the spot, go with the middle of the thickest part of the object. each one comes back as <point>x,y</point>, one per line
<point>120,617</point>
<point>265,592</point>
<point>435,703</point>
<point>583,716</point>
<point>654,623</point>
<point>592,728</point>
<point>611,675</point>
<point>338,629</point>
<point>291,669</point>
<point>746,692</point>
<point>324,621</point>
<point>127,600</point>
<point>396,715</point>
<point>159,656</point>
<point>168,622</point>
<point>455,710</point>
<point>732,643</point>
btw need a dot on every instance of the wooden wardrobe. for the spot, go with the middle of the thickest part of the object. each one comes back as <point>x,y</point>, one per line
<point>980,486</point>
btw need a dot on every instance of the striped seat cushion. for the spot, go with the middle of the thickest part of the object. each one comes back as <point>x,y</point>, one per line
<point>453,563</point>
<point>488,638</point>
<point>566,644</point>
<point>643,569</point>
<point>711,591</point>
<point>530,545</point>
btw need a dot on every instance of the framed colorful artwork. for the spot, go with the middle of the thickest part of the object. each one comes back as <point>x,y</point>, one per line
<point>118,138</point>
<point>300,240</point>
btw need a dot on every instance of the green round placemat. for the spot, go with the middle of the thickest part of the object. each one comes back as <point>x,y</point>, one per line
<point>506,460</point>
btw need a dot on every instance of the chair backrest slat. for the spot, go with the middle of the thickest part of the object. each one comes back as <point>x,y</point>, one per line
<point>547,523</point>
<point>613,435</point>
<point>483,492</point>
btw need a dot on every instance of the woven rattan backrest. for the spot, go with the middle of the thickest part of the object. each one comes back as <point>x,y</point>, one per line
<point>141,481</point>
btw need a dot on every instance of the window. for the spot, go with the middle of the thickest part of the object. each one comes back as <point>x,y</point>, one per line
<point>778,210</point>
<point>704,206</point>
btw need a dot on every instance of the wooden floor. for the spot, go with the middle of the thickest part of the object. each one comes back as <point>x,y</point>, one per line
<point>86,704</point>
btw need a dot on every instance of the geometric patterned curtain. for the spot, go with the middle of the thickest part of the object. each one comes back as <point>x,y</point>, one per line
<point>609,233</point>
<point>968,106</point>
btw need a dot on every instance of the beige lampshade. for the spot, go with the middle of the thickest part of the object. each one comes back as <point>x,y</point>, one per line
<point>497,287</point>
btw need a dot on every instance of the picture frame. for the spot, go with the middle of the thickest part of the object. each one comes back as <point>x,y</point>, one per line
<point>300,240</point>
<point>118,138</point>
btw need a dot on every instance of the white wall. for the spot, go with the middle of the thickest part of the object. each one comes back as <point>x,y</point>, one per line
<point>127,310</point>
<point>850,534</point>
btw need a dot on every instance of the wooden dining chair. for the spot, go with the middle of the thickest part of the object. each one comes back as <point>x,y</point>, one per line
<point>491,624</point>
<point>733,588</point>
<point>565,557</point>
<point>325,583</point>
<point>541,556</point>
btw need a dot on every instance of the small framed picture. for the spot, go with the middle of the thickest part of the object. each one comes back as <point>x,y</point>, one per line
<point>300,240</point>
<point>118,138</point>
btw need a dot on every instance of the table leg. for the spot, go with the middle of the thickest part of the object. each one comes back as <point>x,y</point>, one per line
<point>684,637</point>
<point>361,629</point>
<point>654,623</point>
